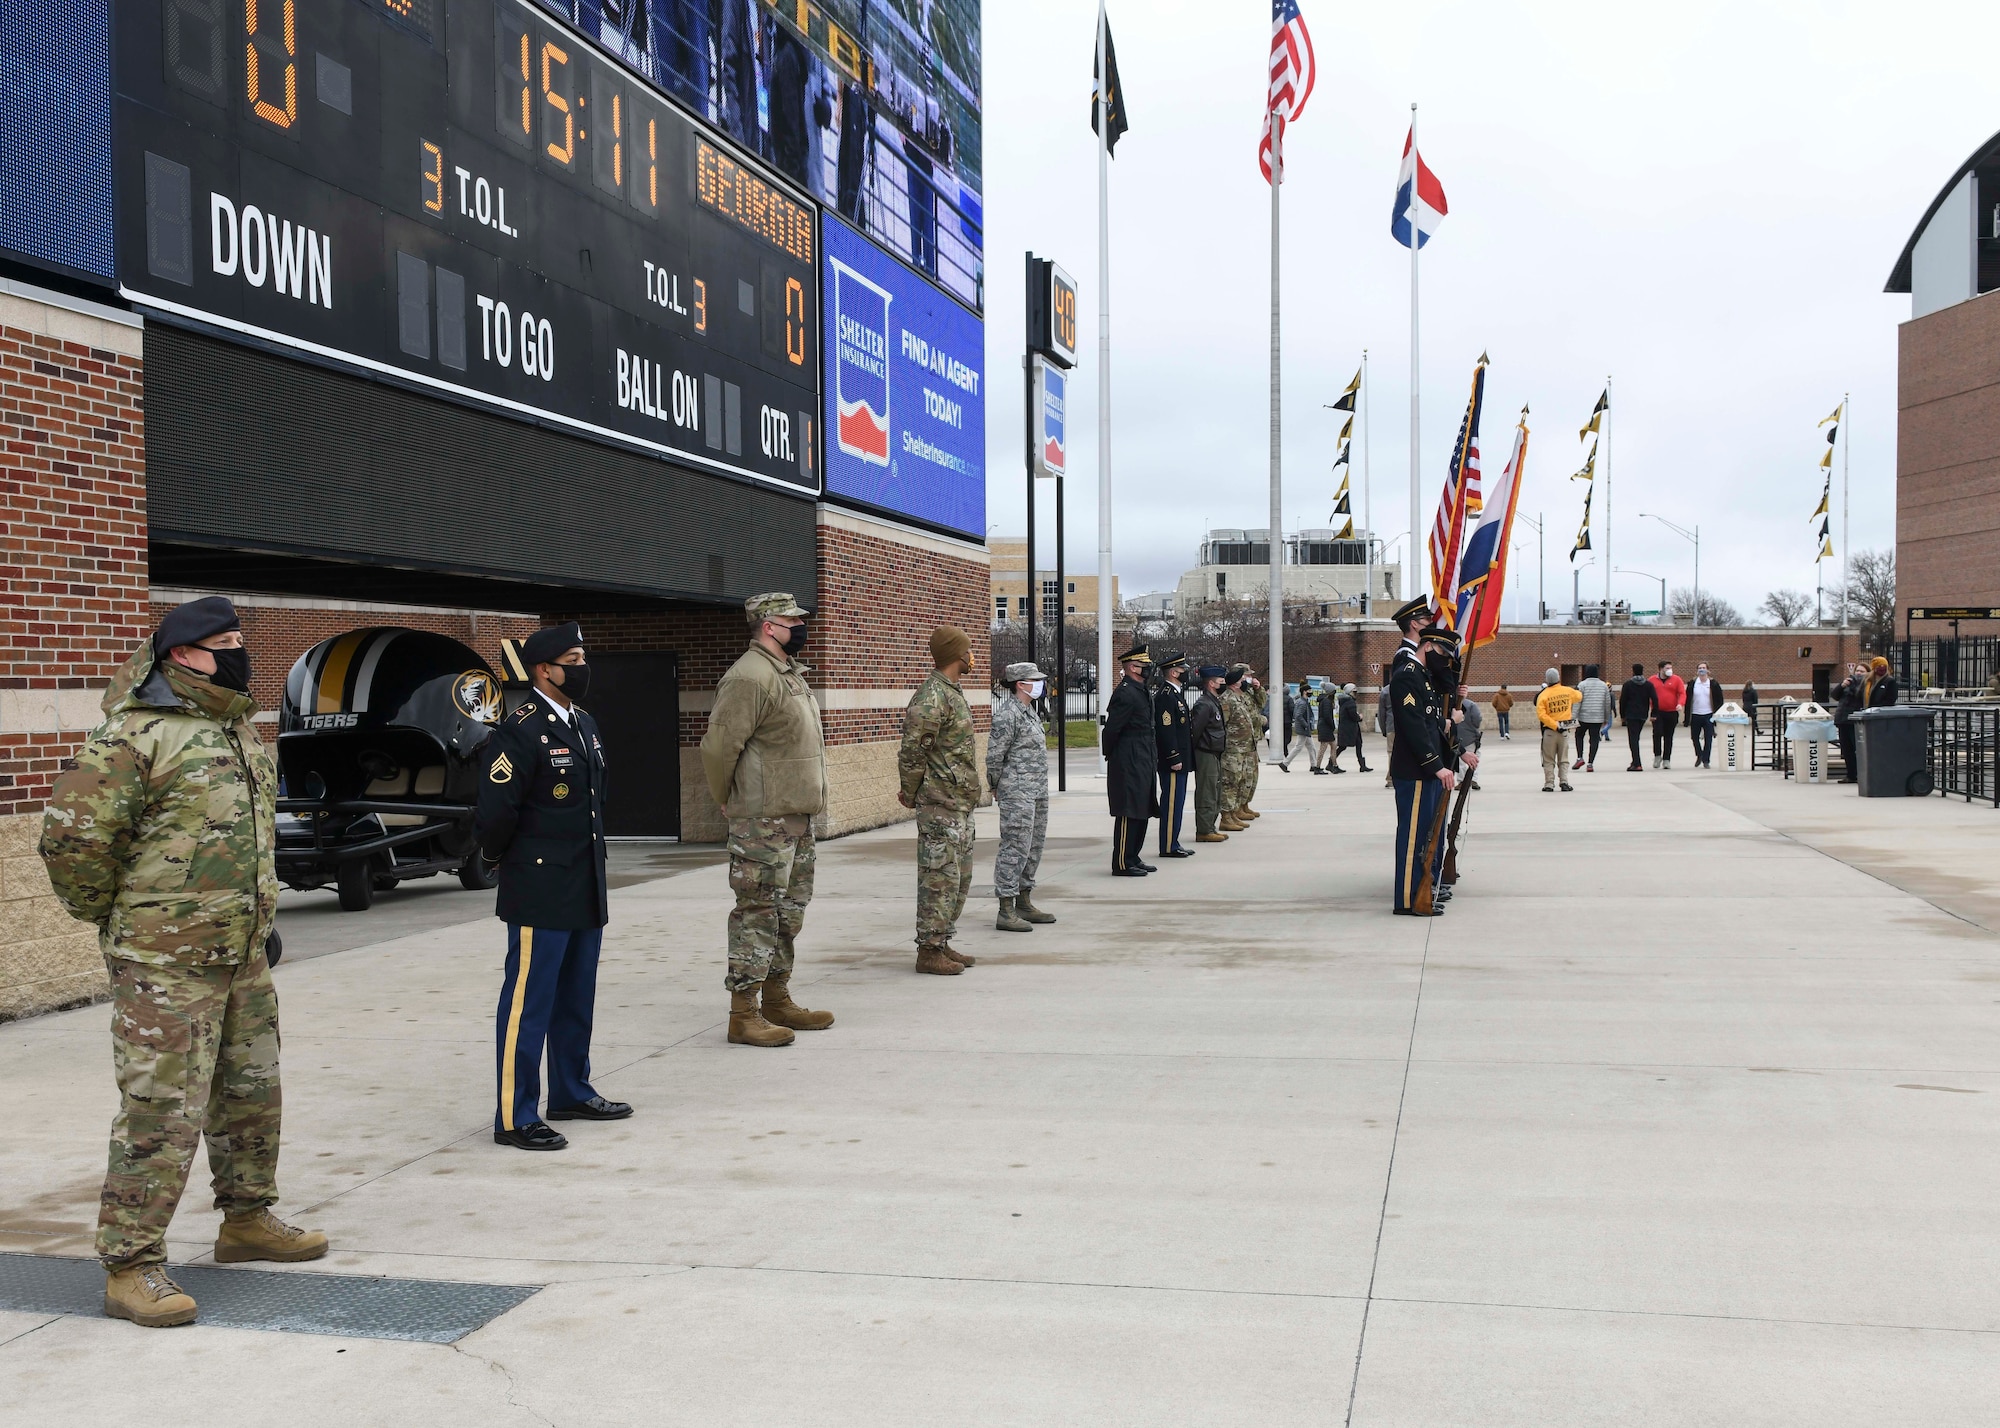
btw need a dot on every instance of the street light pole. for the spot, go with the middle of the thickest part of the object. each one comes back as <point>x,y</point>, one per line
<point>1627,570</point>
<point>1541,569</point>
<point>1689,535</point>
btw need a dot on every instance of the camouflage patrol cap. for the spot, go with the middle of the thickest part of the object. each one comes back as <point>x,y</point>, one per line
<point>1020,670</point>
<point>773,605</point>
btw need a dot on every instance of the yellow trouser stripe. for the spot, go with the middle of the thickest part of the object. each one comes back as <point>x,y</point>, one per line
<point>1410,846</point>
<point>514,1028</point>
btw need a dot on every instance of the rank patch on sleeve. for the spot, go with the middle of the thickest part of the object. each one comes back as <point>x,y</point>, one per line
<point>1409,699</point>
<point>502,770</point>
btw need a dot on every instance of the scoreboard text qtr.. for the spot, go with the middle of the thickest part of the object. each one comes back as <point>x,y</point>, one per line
<point>466,194</point>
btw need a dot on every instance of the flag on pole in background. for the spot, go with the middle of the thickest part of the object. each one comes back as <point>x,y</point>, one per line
<point>1596,415</point>
<point>1346,531</point>
<point>1833,415</point>
<point>1346,402</point>
<point>1448,527</point>
<point>1583,531</point>
<point>1822,509</point>
<point>1114,94</point>
<point>1292,74</point>
<point>1589,471</point>
<point>1419,197</point>
<point>1346,430</point>
<point>1341,460</point>
<point>1482,577</point>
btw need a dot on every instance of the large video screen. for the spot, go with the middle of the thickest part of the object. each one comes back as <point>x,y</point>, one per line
<point>905,411</point>
<point>466,195</point>
<point>55,135</point>
<point>872,106</point>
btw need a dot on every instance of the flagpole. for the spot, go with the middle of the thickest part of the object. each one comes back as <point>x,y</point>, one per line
<point>1416,585</point>
<point>1104,576</point>
<point>1846,568</point>
<point>1367,500</point>
<point>1275,689</point>
<point>1611,420</point>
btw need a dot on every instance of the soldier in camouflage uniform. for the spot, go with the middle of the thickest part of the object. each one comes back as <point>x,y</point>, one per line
<point>1017,770</point>
<point>940,780</point>
<point>1239,752</point>
<point>162,832</point>
<point>766,765</point>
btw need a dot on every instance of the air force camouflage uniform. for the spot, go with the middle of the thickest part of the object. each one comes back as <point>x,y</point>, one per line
<point>1017,769</point>
<point>939,773</point>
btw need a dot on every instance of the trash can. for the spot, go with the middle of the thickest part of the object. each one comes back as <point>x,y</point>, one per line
<point>1813,738</point>
<point>1892,751</point>
<point>1732,739</point>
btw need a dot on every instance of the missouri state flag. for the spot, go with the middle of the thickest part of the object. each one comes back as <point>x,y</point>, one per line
<point>1420,204</point>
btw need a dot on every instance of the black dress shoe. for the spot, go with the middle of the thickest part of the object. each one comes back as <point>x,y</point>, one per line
<point>537,1135</point>
<point>1412,912</point>
<point>1133,872</point>
<point>594,1109</point>
<point>1179,852</point>
<point>1144,866</point>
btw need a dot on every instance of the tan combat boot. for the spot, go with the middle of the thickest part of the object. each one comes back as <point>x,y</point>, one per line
<point>259,1234</point>
<point>144,1294</point>
<point>1246,813</point>
<point>781,1010</point>
<point>937,962</point>
<point>1010,920</point>
<point>1230,823</point>
<point>1028,910</point>
<point>964,959</point>
<point>1211,837</point>
<point>747,1026</point>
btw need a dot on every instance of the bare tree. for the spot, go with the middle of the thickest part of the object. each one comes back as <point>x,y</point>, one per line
<point>1787,607</point>
<point>1871,600</point>
<point>1713,611</point>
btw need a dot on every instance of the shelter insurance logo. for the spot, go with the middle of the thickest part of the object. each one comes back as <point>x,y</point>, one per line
<point>861,365</point>
<point>1055,389</point>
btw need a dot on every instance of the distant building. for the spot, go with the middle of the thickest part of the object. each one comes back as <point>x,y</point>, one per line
<point>1075,594</point>
<point>1320,568</point>
<point>1156,605</point>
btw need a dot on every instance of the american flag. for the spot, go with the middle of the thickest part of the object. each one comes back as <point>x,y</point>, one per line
<point>1292,73</point>
<point>1460,501</point>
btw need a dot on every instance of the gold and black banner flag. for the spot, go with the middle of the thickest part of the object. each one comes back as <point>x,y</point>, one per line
<point>1596,415</point>
<point>1347,398</point>
<point>1114,99</point>
<point>1583,531</point>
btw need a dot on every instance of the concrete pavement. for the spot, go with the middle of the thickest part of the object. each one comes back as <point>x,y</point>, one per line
<point>1684,1114</point>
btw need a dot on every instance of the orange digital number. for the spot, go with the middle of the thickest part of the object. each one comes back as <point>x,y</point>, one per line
<point>700,305</point>
<point>262,45</point>
<point>618,139</point>
<point>430,163</point>
<point>652,163</point>
<point>795,302</point>
<point>554,58</point>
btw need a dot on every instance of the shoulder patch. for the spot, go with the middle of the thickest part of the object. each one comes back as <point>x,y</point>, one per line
<point>502,770</point>
<point>524,713</point>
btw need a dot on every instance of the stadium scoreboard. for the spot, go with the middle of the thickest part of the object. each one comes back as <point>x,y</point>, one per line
<point>466,195</point>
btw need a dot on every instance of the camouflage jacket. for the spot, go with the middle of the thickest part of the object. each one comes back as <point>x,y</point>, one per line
<point>938,762</point>
<point>1017,751</point>
<point>762,755</point>
<point>1239,721</point>
<point>162,829</point>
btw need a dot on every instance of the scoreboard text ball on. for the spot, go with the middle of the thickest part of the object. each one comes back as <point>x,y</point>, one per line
<point>469,197</point>
<point>1051,312</point>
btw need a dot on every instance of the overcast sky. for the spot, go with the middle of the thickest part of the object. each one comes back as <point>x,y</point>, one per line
<point>1703,203</point>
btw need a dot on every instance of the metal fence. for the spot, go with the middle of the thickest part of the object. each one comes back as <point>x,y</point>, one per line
<point>1968,662</point>
<point>1964,751</point>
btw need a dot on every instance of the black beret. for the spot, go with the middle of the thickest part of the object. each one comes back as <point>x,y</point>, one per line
<point>194,622</point>
<point>551,643</point>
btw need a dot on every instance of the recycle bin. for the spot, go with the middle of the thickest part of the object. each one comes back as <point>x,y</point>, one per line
<point>1813,738</point>
<point>1732,739</point>
<point>1891,750</point>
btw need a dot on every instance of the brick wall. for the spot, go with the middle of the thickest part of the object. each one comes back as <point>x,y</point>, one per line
<point>1948,460</point>
<point>72,600</point>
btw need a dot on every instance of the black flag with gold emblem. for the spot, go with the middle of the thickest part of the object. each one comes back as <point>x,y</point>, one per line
<point>1114,98</point>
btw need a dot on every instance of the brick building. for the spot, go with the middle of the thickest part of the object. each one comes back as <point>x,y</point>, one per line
<point>1078,595</point>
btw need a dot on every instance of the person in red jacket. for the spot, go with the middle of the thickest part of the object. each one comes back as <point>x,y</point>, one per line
<point>1669,694</point>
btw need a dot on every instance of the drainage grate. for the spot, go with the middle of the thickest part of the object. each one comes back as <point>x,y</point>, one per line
<point>424,1310</point>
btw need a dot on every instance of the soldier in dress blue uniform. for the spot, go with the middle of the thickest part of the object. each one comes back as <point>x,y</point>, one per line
<point>1176,751</point>
<point>541,820</point>
<point>1418,768</point>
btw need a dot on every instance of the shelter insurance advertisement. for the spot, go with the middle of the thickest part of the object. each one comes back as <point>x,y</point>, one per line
<point>905,399</point>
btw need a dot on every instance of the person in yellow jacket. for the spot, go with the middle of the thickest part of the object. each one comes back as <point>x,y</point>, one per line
<point>1555,706</point>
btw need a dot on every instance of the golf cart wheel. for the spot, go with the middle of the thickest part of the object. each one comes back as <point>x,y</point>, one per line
<point>356,881</point>
<point>474,874</point>
<point>1920,784</point>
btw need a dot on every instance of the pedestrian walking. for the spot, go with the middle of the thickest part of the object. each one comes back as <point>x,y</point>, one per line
<point>1326,729</point>
<point>1669,696</point>
<point>1017,770</point>
<point>939,778</point>
<point>1208,736</point>
<point>1174,752</point>
<point>1349,734</point>
<point>1593,717</point>
<point>1239,757</point>
<point>1555,708</point>
<point>1635,708</point>
<point>1417,767</point>
<point>541,824</point>
<point>1503,705</point>
<point>1131,763</point>
<point>162,831</point>
<point>765,761</point>
<point>1304,722</point>
<point>1704,702</point>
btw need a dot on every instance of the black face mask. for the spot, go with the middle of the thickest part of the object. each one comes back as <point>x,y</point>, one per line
<point>575,680</point>
<point>232,669</point>
<point>1441,669</point>
<point>795,639</point>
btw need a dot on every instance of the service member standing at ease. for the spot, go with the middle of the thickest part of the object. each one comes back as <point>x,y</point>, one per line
<point>541,819</point>
<point>765,762</point>
<point>1417,766</point>
<point>938,767</point>
<point>162,831</point>
<point>1175,752</point>
<point>1209,738</point>
<point>1131,755</point>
